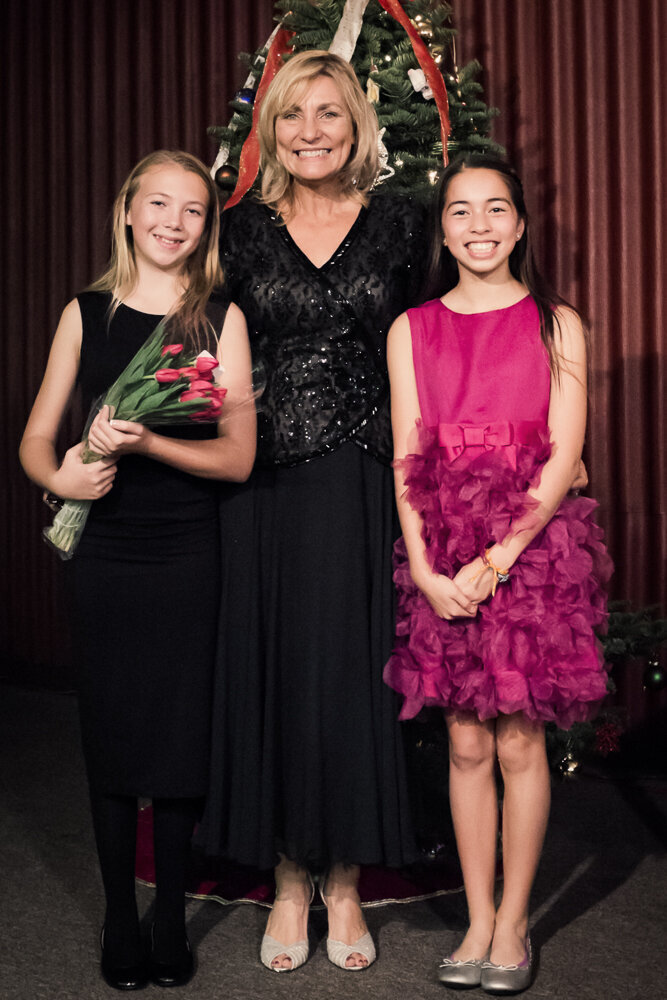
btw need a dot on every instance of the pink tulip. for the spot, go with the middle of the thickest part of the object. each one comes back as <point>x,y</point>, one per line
<point>167,375</point>
<point>172,349</point>
<point>210,413</point>
<point>190,372</point>
<point>192,394</point>
<point>206,365</point>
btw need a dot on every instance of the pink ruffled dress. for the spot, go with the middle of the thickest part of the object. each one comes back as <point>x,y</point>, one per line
<point>483,383</point>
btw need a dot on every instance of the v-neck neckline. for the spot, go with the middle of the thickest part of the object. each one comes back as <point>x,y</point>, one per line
<point>338,252</point>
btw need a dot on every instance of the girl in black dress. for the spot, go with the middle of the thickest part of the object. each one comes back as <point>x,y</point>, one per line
<point>307,769</point>
<point>145,577</point>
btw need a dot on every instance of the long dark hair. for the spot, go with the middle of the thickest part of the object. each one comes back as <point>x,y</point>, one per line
<point>443,273</point>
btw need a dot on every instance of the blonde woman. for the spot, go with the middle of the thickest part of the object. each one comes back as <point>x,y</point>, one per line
<point>145,577</point>
<point>307,769</point>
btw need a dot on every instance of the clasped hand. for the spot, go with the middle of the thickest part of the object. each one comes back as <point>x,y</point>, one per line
<point>113,438</point>
<point>459,597</point>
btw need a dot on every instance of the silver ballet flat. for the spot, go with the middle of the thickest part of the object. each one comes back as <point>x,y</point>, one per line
<point>499,979</point>
<point>461,975</point>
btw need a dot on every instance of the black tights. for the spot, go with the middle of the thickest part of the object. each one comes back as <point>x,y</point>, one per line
<point>115,824</point>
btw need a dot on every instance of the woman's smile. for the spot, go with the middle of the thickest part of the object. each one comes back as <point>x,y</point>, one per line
<point>314,137</point>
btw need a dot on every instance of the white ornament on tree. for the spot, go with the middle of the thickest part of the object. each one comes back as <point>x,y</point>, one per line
<point>420,84</point>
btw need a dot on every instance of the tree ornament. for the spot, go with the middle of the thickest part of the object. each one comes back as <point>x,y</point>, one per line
<point>655,676</point>
<point>569,765</point>
<point>385,170</point>
<point>225,177</point>
<point>423,27</point>
<point>420,83</point>
<point>372,91</point>
<point>246,95</point>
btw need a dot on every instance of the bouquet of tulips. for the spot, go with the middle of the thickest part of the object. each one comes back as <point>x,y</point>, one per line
<point>160,385</point>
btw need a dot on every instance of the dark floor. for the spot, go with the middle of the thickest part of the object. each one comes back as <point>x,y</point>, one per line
<point>599,911</point>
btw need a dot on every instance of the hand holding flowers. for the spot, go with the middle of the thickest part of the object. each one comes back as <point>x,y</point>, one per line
<point>113,437</point>
<point>154,389</point>
<point>81,480</point>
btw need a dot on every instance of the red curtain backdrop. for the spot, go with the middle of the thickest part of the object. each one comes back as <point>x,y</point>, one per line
<point>88,88</point>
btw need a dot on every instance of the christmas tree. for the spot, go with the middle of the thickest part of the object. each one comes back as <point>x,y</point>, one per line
<point>384,60</point>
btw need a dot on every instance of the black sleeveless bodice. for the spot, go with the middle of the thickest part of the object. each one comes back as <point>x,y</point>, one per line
<point>320,332</point>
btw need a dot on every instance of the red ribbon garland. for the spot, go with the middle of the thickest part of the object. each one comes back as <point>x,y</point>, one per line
<point>249,160</point>
<point>431,71</point>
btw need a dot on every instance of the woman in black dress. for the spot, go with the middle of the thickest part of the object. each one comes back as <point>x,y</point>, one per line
<point>145,576</point>
<point>307,767</point>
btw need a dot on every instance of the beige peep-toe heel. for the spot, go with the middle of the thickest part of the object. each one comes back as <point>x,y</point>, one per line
<point>338,952</point>
<point>297,953</point>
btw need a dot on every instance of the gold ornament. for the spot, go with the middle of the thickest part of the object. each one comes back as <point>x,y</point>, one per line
<point>569,765</point>
<point>372,91</point>
<point>423,28</point>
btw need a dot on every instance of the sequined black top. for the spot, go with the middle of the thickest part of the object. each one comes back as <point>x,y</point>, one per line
<point>319,333</point>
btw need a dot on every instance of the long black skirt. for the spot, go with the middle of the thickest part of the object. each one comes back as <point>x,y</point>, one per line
<point>306,756</point>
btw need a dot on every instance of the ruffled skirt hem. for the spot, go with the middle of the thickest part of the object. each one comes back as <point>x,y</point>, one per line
<point>532,648</point>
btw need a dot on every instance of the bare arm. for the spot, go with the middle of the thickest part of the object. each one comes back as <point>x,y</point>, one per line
<point>444,595</point>
<point>567,424</point>
<point>229,456</point>
<point>70,479</point>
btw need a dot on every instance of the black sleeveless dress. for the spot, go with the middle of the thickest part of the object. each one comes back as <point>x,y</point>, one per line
<point>144,582</point>
<point>307,758</point>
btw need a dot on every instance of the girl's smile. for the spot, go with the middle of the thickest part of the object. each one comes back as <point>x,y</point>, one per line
<point>167,216</point>
<point>480,223</point>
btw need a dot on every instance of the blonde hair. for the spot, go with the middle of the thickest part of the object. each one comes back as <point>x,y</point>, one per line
<point>202,270</point>
<point>358,174</point>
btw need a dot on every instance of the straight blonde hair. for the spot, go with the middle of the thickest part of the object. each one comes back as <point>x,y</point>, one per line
<point>202,268</point>
<point>291,82</point>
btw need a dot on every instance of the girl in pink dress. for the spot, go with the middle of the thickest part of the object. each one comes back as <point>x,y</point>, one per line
<point>499,572</point>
